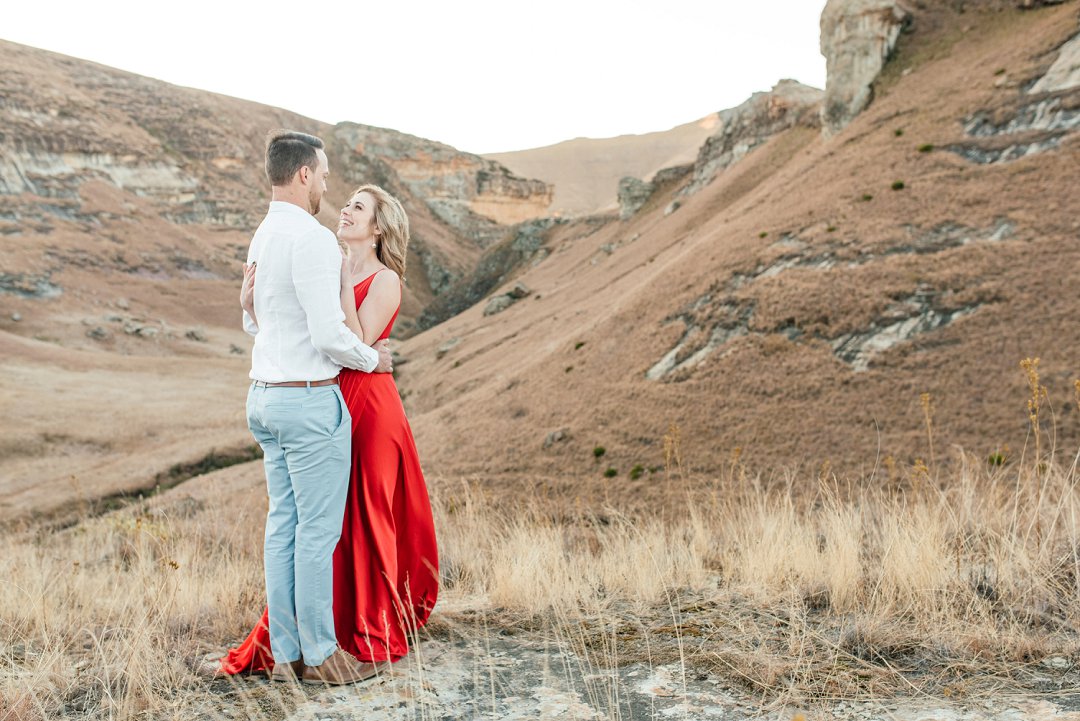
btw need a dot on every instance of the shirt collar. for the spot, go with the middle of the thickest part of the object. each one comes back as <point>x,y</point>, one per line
<point>286,207</point>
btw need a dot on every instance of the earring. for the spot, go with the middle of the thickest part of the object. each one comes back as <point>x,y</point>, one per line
<point>374,245</point>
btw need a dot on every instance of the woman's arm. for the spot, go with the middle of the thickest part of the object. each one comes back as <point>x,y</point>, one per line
<point>247,294</point>
<point>348,301</point>
<point>379,306</point>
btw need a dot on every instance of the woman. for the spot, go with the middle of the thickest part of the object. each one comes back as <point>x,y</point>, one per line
<point>386,563</point>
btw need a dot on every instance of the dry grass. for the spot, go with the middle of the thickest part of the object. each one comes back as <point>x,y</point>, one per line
<point>958,586</point>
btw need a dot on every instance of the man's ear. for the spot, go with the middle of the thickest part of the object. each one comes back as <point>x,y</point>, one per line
<point>305,174</point>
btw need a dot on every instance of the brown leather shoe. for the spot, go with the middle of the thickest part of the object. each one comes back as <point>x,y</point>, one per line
<point>341,668</point>
<point>290,671</point>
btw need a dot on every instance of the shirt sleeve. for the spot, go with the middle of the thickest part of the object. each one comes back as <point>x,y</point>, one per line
<point>316,269</point>
<point>250,326</point>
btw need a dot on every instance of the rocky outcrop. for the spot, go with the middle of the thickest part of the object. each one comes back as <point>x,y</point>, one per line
<point>506,198</point>
<point>747,126</point>
<point>464,190</point>
<point>1064,73</point>
<point>857,37</point>
<point>633,193</point>
<point>58,175</point>
<point>501,302</point>
<point>1028,129</point>
<point>673,174</point>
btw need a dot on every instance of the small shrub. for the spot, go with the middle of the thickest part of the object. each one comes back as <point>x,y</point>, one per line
<point>898,132</point>
<point>898,185</point>
<point>926,147</point>
<point>569,368</point>
<point>831,229</point>
<point>610,473</point>
<point>763,234</point>
<point>577,346</point>
<point>999,71</point>
<point>996,459</point>
<point>866,198</point>
<point>636,471</point>
<point>599,451</point>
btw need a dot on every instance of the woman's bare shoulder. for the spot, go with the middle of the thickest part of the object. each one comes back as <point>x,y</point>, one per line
<point>386,277</point>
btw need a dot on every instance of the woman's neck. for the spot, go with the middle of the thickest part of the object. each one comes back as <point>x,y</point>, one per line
<point>362,258</point>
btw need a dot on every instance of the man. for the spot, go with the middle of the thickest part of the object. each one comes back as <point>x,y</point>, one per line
<point>295,409</point>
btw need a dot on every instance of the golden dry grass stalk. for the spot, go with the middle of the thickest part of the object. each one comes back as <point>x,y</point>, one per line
<point>832,594</point>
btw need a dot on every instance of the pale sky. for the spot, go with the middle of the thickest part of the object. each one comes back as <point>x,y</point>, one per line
<point>481,76</point>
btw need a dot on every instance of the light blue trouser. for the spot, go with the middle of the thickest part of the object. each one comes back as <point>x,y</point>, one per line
<point>305,434</point>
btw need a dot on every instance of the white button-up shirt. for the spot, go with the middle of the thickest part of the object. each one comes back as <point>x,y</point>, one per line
<point>301,334</point>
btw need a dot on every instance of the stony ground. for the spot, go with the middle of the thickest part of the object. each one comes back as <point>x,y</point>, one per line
<point>516,679</point>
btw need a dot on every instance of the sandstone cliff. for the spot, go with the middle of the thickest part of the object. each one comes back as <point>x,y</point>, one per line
<point>857,37</point>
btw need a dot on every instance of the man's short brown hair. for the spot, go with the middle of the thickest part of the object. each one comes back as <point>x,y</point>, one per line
<point>287,151</point>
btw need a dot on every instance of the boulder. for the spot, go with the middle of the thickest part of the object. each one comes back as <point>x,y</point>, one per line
<point>857,37</point>
<point>1064,73</point>
<point>498,304</point>
<point>446,347</point>
<point>556,437</point>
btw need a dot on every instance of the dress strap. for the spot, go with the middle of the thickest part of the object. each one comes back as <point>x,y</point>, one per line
<point>381,270</point>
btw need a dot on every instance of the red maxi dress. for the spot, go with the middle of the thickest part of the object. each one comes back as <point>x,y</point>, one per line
<point>386,565</point>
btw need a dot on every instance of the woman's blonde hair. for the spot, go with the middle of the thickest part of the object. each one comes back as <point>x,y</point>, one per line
<point>393,224</point>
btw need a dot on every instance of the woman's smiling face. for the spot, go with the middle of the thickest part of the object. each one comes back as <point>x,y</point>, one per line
<point>357,218</point>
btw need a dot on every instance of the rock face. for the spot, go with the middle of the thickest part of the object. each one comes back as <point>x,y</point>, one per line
<point>857,37</point>
<point>1064,73</point>
<point>464,190</point>
<point>524,245</point>
<point>747,126</point>
<point>1031,128</point>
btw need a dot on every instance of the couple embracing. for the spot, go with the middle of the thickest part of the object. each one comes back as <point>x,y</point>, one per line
<point>350,555</point>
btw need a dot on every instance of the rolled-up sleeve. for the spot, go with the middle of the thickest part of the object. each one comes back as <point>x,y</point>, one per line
<point>316,269</point>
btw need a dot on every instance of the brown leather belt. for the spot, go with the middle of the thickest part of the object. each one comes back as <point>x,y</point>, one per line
<point>298,384</point>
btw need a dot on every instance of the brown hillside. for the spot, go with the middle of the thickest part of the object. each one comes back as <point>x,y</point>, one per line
<point>126,207</point>
<point>149,183</point>
<point>586,171</point>
<point>794,309</point>
<point>789,310</point>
